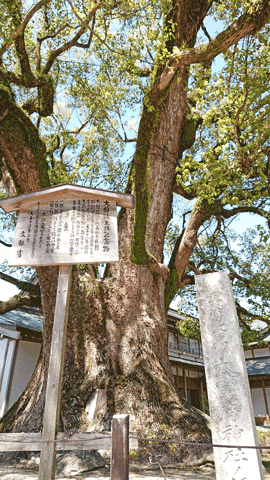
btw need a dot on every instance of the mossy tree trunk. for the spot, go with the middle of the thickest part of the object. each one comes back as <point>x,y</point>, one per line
<point>117,330</point>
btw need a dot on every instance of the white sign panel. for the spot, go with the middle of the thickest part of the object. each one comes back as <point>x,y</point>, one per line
<point>68,231</point>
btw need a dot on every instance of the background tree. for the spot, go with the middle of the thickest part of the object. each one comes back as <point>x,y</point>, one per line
<point>228,165</point>
<point>62,59</point>
<point>245,258</point>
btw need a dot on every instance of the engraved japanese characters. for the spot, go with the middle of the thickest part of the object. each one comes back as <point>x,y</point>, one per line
<point>232,419</point>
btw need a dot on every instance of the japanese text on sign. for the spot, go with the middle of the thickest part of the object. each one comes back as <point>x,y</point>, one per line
<point>66,232</point>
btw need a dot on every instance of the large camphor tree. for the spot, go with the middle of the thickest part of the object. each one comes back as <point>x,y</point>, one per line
<point>101,62</point>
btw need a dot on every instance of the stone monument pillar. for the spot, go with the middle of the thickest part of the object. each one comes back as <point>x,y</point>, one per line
<point>231,411</point>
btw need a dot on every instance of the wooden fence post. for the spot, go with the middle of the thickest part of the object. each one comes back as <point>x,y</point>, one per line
<point>120,448</point>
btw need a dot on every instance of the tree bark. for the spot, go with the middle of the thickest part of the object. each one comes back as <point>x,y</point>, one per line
<point>22,149</point>
<point>117,340</point>
<point>117,327</point>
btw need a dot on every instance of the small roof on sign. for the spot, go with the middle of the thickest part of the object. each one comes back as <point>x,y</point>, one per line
<point>66,190</point>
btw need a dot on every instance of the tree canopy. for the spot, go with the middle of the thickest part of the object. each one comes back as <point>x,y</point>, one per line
<point>82,70</point>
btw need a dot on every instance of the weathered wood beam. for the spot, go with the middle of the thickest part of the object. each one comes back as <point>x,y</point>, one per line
<point>31,442</point>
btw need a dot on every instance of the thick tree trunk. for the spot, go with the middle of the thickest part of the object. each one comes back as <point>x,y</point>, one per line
<point>117,328</point>
<point>117,340</point>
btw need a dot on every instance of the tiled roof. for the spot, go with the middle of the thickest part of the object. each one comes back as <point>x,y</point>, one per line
<point>197,365</point>
<point>178,316</point>
<point>258,366</point>
<point>26,317</point>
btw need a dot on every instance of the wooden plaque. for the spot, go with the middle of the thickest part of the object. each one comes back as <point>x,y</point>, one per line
<point>66,231</point>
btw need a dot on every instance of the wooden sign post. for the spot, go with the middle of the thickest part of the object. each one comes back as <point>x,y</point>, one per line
<point>55,373</point>
<point>62,225</point>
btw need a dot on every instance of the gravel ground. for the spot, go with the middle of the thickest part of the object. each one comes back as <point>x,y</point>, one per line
<point>11,473</point>
<point>203,473</point>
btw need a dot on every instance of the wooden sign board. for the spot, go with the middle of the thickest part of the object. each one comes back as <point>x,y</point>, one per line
<point>63,225</point>
<point>66,231</point>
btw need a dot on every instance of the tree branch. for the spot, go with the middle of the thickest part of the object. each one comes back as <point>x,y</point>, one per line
<point>20,80</point>
<point>247,24</point>
<point>85,23</point>
<point>40,40</point>
<point>188,280</point>
<point>5,244</point>
<point>53,35</point>
<point>158,268</point>
<point>74,41</point>
<point>45,91</point>
<point>236,127</point>
<point>251,315</point>
<point>6,178</point>
<point>19,42</point>
<point>182,251</point>
<point>193,267</point>
<point>19,301</point>
<point>78,130</point>
<point>31,106</point>
<point>181,191</point>
<point>234,211</point>
<point>139,71</point>
<point>242,320</point>
<point>199,214</point>
<point>233,275</point>
<point>22,26</point>
<point>125,139</point>
<point>206,33</point>
<point>25,286</point>
<point>108,46</point>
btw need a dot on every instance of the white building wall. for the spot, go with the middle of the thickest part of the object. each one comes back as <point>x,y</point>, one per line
<point>172,337</point>
<point>261,352</point>
<point>193,344</point>
<point>258,402</point>
<point>3,354</point>
<point>6,375</point>
<point>267,391</point>
<point>24,366</point>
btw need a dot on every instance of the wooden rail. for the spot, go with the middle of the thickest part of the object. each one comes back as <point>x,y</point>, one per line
<point>117,441</point>
<point>32,442</point>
